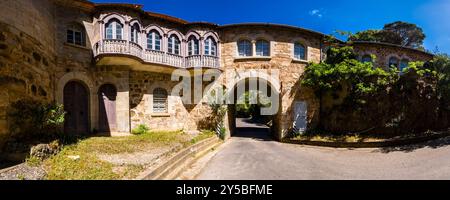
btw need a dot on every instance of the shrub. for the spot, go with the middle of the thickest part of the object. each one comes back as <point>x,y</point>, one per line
<point>32,118</point>
<point>141,129</point>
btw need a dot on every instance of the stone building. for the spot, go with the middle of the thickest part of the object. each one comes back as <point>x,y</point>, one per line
<point>111,65</point>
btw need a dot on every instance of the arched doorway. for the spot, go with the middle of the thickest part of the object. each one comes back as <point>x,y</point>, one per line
<point>107,95</point>
<point>76,105</point>
<point>246,118</point>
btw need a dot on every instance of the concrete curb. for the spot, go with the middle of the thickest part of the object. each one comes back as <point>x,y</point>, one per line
<point>10,168</point>
<point>387,143</point>
<point>178,161</point>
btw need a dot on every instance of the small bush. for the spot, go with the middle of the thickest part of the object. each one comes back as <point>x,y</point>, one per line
<point>141,129</point>
<point>32,118</point>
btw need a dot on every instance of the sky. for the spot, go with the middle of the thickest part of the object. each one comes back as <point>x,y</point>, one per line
<point>325,16</point>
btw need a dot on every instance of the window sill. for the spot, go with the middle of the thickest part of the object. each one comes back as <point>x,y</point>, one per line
<point>76,46</point>
<point>160,115</point>
<point>253,58</point>
<point>300,61</point>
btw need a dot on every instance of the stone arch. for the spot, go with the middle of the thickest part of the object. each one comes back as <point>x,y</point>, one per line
<point>213,35</point>
<point>136,21</point>
<point>272,83</point>
<point>122,101</point>
<point>193,33</point>
<point>177,33</point>
<point>154,27</point>
<point>83,78</point>
<point>111,16</point>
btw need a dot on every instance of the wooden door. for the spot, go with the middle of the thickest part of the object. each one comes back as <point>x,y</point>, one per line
<point>76,105</point>
<point>107,108</point>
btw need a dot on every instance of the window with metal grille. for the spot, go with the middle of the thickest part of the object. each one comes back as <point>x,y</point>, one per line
<point>193,46</point>
<point>262,48</point>
<point>154,41</point>
<point>299,51</point>
<point>160,100</point>
<point>114,29</point>
<point>75,35</point>
<point>393,62</point>
<point>135,33</point>
<point>210,47</point>
<point>366,58</point>
<point>174,45</point>
<point>245,48</point>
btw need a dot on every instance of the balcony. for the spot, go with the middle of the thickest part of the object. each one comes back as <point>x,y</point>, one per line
<point>123,47</point>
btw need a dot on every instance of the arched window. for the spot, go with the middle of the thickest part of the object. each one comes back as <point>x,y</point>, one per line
<point>76,35</point>
<point>174,45</point>
<point>210,47</point>
<point>366,58</point>
<point>393,62</point>
<point>154,41</point>
<point>114,29</point>
<point>245,48</point>
<point>262,48</point>
<point>299,51</point>
<point>160,100</point>
<point>135,33</point>
<point>193,46</point>
<point>403,64</point>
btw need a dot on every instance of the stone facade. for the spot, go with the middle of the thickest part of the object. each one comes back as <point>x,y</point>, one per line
<point>25,61</point>
<point>37,61</point>
<point>383,52</point>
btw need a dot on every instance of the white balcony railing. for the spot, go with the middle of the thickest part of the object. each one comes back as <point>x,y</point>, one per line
<point>122,47</point>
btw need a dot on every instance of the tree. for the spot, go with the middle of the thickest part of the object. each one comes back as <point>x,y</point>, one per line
<point>411,35</point>
<point>400,33</point>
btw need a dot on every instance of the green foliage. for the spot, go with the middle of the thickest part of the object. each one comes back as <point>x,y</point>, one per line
<point>246,106</point>
<point>342,69</point>
<point>33,118</point>
<point>203,135</point>
<point>400,33</point>
<point>410,34</point>
<point>141,129</point>
<point>441,63</point>
<point>218,113</point>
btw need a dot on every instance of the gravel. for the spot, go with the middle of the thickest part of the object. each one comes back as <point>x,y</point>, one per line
<point>23,172</point>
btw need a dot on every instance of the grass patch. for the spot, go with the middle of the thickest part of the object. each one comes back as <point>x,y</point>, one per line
<point>321,136</point>
<point>33,161</point>
<point>89,167</point>
<point>202,136</point>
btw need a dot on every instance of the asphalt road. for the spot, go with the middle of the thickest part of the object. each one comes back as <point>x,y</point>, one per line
<point>252,155</point>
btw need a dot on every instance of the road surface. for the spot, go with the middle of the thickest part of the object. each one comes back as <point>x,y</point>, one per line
<point>252,155</point>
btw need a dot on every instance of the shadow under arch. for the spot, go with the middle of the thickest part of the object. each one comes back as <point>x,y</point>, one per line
<point>258,126</point>
<point>76,96</point>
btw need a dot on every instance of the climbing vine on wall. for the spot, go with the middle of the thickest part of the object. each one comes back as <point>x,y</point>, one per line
<point>341,68</point>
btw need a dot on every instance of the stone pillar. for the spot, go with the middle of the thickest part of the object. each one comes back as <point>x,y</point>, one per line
<point>253,48</point>
<point>123,111</point>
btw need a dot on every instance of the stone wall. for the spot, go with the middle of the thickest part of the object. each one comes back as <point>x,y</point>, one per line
<point>180,116</point>
<point>290,71</point>
<point>27,55</point>
<point>384,52</point>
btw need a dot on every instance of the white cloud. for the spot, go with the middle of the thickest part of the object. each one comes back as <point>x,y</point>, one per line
<point>316,13</point>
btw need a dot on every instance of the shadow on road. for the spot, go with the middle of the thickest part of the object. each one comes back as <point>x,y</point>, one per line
<point>248,128</point>
<point>434,144</point>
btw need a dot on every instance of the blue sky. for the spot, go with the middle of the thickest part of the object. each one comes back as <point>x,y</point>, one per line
<point>319,15</point>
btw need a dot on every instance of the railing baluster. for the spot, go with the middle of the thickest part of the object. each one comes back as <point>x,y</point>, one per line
<point>152,56</point>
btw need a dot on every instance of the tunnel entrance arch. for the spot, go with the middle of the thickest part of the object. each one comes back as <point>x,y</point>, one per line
<point>254,103</point>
